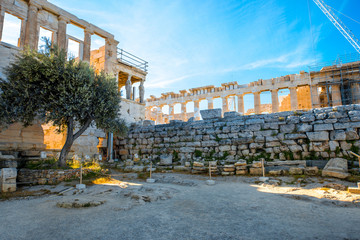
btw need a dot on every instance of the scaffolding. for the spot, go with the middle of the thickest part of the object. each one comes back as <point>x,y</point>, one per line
<point>335,83</point>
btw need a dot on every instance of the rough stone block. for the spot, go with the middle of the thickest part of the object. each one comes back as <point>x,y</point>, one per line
<point>166,160</point>
<point>241,172</point>
<point>8,187</point>
<point>311,171</point>
<point>323,127</point>
<point>231,114</point>
<point>354,190</point>
<point>296,171</point>
<point>229,169</point>
<point>276,172</point>
<point>8,175</point>
<point>256,171</point>
<point>240,163</point>
<point>318,136</point>
<point>211,113</point>
<point>336,167</point>
<point>256,164</point>
<point>198,164</point>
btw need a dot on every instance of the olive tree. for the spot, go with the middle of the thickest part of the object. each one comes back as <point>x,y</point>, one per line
<point>67,93</point>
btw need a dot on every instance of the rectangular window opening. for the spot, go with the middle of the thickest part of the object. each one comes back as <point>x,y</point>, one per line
<point>11,30</point>
<point>44,33</point>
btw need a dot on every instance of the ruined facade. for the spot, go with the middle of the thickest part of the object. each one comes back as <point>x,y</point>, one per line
<point>38,15</point>
<point>329,86</point>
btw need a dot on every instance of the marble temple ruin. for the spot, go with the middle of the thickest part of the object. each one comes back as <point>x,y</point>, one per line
<point>332,85</point>
<point>35,16</point>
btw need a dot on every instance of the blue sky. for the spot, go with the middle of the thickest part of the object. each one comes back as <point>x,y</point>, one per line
<point>192,43</point>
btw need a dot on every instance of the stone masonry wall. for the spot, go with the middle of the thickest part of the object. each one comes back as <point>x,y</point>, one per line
<point>317,134</point>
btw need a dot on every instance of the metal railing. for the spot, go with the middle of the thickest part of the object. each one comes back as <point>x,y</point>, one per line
<point>132,60</point>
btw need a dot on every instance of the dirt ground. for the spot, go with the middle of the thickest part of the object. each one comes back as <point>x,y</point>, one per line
<point>182,206</point>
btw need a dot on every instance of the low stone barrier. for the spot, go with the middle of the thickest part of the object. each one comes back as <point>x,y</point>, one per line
<point>319,134</point>
<point>49,176</point>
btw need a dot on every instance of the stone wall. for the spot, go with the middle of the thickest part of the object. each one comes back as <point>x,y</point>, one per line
<point>51,176</point>
<point>317,134</point>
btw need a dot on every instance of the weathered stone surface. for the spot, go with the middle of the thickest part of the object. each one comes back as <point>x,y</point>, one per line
<point>323,127</point>
<point>287,163</point>
<point>231,114</point>
<point>198,164</point>
<point>256,171</point>
<point>336,167</point>
<point>312,171</point>
<point>211,113</point>
<point>256,164</point>
<point>241,172</point>
<point>304,127</point>
<point>338,135</point>
<point>318,136</point>
<point>296,171</point>
<point>240,163</point>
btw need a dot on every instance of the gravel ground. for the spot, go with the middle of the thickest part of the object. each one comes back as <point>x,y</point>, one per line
<point>182,206</point>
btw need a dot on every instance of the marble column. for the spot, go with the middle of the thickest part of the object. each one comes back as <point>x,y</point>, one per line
<point>240,104</point>
<point>336,95</point>
<point>128,87</point>
<point>197,110</point>
<point>31,30</point>
<point>61,33</point>
<point>133,96</point>
<point>2,16</point>
<point>142,91</point>
<point>257,103</point>
<point>110,54</point>
<point>87,45</point>
<point>315,96</point>
<point>274,101</point>
<point>225,105</point>
<point>159,119</point>
<point>183,111</point>
<point>171,112</point>
<point>210,103</point>
<point>293,99</point>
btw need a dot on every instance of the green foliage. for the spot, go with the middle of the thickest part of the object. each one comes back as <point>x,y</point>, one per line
<point>68,94</point>
<point>289,155</point>
<point>198,153</point>
<point>217,138</point>
<point>337,150</point>
<point>176,156</point>
<point>354,149</point>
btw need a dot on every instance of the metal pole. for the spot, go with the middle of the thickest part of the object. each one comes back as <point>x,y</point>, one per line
<point>210,170</point>
<point>110,146</point>
<point>80,171</point>
<point>150,169</point>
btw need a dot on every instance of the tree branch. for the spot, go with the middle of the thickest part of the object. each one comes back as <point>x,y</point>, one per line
<point>83,128</point>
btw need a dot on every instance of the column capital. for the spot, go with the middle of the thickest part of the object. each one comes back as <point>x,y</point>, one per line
<point>34,6</point>
<point>88,31</point>
<point>62,18</point>
<point>111,41</point>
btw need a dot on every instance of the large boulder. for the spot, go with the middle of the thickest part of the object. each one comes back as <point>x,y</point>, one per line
<point>211,113</point>
<point>166,160</point>
<point>336,167</point>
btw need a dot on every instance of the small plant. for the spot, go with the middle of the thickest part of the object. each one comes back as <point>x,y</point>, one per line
<point>337,150</point>
<point>175,156</point>
<point>198,153</point>
<point>281,119</point>
<point>354,149</point>
<point>217,138</point>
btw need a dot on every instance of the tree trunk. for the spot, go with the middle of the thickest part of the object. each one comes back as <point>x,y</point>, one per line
<point>70,138</point>
<point>68,143</point>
